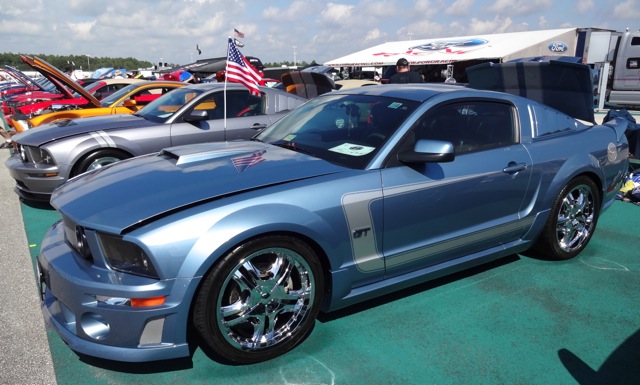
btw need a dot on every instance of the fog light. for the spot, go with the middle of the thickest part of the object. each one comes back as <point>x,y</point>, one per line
<point>95,326</point>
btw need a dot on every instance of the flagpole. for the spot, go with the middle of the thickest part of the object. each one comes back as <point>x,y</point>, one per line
<point>224,93</point>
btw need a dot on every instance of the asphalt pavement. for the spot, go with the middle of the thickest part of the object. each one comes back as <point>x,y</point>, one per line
<point>24,354</point>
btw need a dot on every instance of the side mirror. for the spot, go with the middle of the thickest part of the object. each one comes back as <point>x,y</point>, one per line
<point>429,151</point>
<point>196,116</point>
<point>130,103</point>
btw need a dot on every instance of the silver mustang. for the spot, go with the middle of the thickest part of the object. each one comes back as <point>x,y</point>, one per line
<point>47,156</point>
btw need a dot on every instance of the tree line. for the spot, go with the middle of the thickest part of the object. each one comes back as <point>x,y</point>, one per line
<point>74,62</point>
<point>90,63</point>
<point>299,64</point>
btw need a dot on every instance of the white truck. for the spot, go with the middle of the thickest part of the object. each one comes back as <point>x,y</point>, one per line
<point>616,58</point>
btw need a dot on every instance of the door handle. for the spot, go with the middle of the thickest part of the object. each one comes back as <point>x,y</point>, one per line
<point>514,168</point>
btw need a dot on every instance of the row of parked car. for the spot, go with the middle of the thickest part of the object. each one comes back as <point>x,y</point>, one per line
<point>133,117</point>
<point>334,200</point>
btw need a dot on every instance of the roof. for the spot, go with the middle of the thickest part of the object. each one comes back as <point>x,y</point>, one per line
<point>503,46</point>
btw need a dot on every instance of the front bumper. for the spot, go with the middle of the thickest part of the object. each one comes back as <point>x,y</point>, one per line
<point>33,182</point>
<point>74,295</point>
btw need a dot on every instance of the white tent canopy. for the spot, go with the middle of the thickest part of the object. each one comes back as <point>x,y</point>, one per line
<point>502,46</point>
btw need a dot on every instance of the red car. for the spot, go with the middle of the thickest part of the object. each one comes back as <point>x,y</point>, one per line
<point>21,83</point>
<point>68,91</point>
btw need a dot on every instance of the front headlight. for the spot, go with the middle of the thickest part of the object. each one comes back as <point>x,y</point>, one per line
<point>126,257</point>
<point>35,155</point>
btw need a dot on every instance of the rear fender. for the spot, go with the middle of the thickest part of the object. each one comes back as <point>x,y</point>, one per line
<point>579,164</point>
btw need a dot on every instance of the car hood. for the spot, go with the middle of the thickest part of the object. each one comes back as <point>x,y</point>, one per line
<point>22,78</point>
<point>565,86</point>
<point>69,127</point>
<point>62,81</point>
<point>24,96</point>
<point>134,191</point>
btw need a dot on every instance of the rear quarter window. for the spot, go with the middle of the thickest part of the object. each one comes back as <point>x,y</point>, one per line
<point>550,122</point>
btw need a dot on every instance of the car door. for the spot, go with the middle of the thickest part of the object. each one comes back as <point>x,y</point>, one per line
<point>437,212</point>
<point>245,116</point>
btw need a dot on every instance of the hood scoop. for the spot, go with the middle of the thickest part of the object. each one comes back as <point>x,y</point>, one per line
<point>185,155</point>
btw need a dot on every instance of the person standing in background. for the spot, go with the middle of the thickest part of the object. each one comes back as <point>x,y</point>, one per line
<point>404,74</point>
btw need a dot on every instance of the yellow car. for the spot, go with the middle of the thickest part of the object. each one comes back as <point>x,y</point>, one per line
<point>125,101</point>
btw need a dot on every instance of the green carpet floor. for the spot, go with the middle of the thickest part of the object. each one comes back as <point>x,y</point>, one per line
<point>517,321</point>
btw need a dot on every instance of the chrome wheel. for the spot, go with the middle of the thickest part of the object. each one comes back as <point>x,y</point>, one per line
<point>260,300</point>
<point>572,220</point>
<point>265,298</point>
<point>575,220</point>
<point>99,159</point>
<point>97,163</point>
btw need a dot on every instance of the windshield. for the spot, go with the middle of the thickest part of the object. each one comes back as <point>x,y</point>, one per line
<point>161,109</point>
<point>114,97</point>
<point>343,129</point>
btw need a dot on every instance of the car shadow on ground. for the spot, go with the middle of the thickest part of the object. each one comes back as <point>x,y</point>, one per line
<point>40,205</point>
<point>176,364</point>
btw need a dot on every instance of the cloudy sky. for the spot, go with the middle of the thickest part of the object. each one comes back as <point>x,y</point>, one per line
<point>169,30</point>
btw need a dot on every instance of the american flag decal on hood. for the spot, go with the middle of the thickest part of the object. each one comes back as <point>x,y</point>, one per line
<point>244,162</point>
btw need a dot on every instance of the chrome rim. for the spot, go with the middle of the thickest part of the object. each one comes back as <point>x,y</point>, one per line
<point>102,162</point>
<point>575,218</point>
<point>265,299</point>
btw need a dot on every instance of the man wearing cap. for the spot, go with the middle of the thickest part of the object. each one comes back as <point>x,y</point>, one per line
<point>403,74</point>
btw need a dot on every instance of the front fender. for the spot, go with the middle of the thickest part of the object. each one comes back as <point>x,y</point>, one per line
<point>190,246</point>
<point>239,226</point>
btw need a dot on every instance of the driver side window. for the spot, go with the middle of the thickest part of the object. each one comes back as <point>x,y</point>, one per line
<point>241,104</point>
<point>470,125</point>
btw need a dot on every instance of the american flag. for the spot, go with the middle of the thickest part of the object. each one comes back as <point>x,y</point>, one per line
<point>237,33</point>
<point>239,70</point>
<point>243,163</point>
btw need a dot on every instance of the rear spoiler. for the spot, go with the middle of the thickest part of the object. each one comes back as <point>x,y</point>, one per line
<point>567,87</point>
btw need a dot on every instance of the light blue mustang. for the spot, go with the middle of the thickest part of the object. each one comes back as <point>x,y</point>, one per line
<point>352,195</point>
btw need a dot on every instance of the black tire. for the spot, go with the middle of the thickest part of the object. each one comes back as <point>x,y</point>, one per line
<point>99,159</point>
<point>572,220</point>
<point>260,300</point>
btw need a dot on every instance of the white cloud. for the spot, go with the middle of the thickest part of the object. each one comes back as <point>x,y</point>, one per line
<point>459,8</point>
<point>520,7</point>
<point>81,31</point>
<point>336,13</point>
<point>584,6</point>
<point>629,9</point>
<point>543,23</point>
<point>374,35</point>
